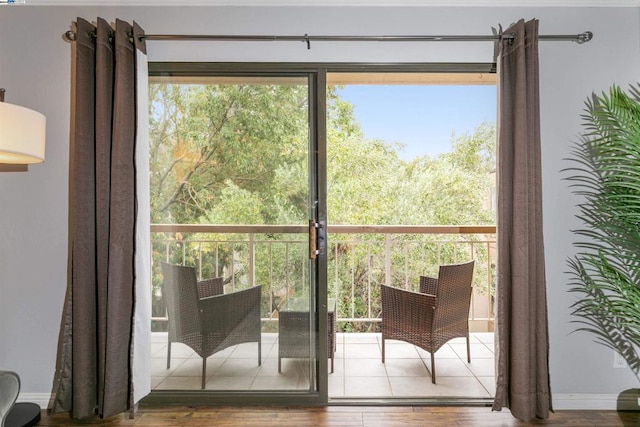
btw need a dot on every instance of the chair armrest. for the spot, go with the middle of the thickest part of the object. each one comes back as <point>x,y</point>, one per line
<point>210,287</point>
<point>407,310</point>
<point>228,310</point>
<point>428,285</point>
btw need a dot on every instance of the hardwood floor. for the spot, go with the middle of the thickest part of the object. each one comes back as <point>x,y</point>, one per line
<point>362,416</point>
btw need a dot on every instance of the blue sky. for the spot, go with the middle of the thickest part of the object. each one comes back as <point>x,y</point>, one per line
<point>423,117</point>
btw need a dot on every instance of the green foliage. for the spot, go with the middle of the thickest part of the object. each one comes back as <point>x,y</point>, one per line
<point>605,273</point>
<point>204,137</point>
<point>240,206</point>
<point>238,154</point>
<point>454,188</point>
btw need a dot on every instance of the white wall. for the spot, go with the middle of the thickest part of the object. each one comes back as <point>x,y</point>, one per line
<point>35,69</point>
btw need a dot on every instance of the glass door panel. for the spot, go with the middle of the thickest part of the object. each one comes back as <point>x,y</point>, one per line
<point>232,195</point>
<point>411,172</point>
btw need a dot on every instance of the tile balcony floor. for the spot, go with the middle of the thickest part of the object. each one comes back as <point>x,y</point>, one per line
<point>359,371</point>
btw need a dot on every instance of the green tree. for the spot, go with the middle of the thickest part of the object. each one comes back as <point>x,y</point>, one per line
<point>368,183</point>
<point>238,153</point>
<point>205,138</point>
<point>455,187</point>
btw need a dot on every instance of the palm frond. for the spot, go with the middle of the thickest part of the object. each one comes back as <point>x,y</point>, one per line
<point>605,273</point>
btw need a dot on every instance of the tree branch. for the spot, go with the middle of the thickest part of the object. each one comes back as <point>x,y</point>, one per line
<point>203,159</point>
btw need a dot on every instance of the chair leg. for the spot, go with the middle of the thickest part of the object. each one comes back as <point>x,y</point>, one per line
<point>433,368</point>
<point>333,349</point>
<point>260,350</point>
<point>468,349</point>
<point>169,344</point>
<point>204,372</point>
<point>383,349</point>
<point>279,364</point>
<point>169,355</point>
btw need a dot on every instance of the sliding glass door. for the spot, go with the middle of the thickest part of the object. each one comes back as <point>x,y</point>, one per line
<point>234,198</point>
<point>243,159</point>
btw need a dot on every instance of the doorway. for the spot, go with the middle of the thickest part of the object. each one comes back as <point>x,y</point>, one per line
<point>264,144</point>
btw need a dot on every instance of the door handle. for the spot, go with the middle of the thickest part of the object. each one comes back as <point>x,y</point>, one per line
<point>316,239</point>
<point>313,249</point>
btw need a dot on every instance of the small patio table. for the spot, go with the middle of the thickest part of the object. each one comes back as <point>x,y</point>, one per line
<point>294,330</point>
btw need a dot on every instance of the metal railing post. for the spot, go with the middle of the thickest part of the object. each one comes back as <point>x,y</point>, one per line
<point>252,259</point>
<point>200,260</point>
<point>387,258</point>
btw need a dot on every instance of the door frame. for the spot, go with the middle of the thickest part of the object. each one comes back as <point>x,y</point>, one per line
<point>317,195</point>
<point>317,78</point>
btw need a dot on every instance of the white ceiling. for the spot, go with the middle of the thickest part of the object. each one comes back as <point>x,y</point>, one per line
<point>512,3</point>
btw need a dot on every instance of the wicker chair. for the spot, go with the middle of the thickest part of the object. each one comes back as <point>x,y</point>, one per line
<point>207,320</point>
<point>433,316</point>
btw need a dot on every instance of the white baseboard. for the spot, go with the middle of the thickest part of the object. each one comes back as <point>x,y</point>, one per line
<point>602,402</point>
<point>41,399</point>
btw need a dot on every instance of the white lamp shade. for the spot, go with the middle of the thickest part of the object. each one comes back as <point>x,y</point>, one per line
<point>22,135</point>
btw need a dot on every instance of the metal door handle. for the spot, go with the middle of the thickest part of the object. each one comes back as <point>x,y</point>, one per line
<point>313,250</point>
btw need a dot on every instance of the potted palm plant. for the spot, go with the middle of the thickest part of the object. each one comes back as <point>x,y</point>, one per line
<point>605,272</point>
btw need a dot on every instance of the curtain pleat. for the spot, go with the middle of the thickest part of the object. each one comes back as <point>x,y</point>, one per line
<point>103,115</point>
<point>522,367</point>
<point>96,339</point>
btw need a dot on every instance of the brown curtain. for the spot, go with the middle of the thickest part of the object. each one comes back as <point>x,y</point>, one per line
<point>94,375</point>
<point>522,349</point>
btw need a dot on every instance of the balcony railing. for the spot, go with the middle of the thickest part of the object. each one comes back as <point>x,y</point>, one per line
<point>359,259</point>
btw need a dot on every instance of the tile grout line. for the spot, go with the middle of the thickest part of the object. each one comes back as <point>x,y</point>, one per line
<point>342,345</point>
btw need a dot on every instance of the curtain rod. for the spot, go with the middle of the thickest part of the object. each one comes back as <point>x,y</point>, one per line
<point>578,38</point>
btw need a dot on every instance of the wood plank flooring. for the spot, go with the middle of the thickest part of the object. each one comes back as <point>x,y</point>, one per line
<point>356,416</point>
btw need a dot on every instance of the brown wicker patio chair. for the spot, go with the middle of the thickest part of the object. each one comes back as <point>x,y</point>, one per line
<point>204,318</point>
<point>430,318</point>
